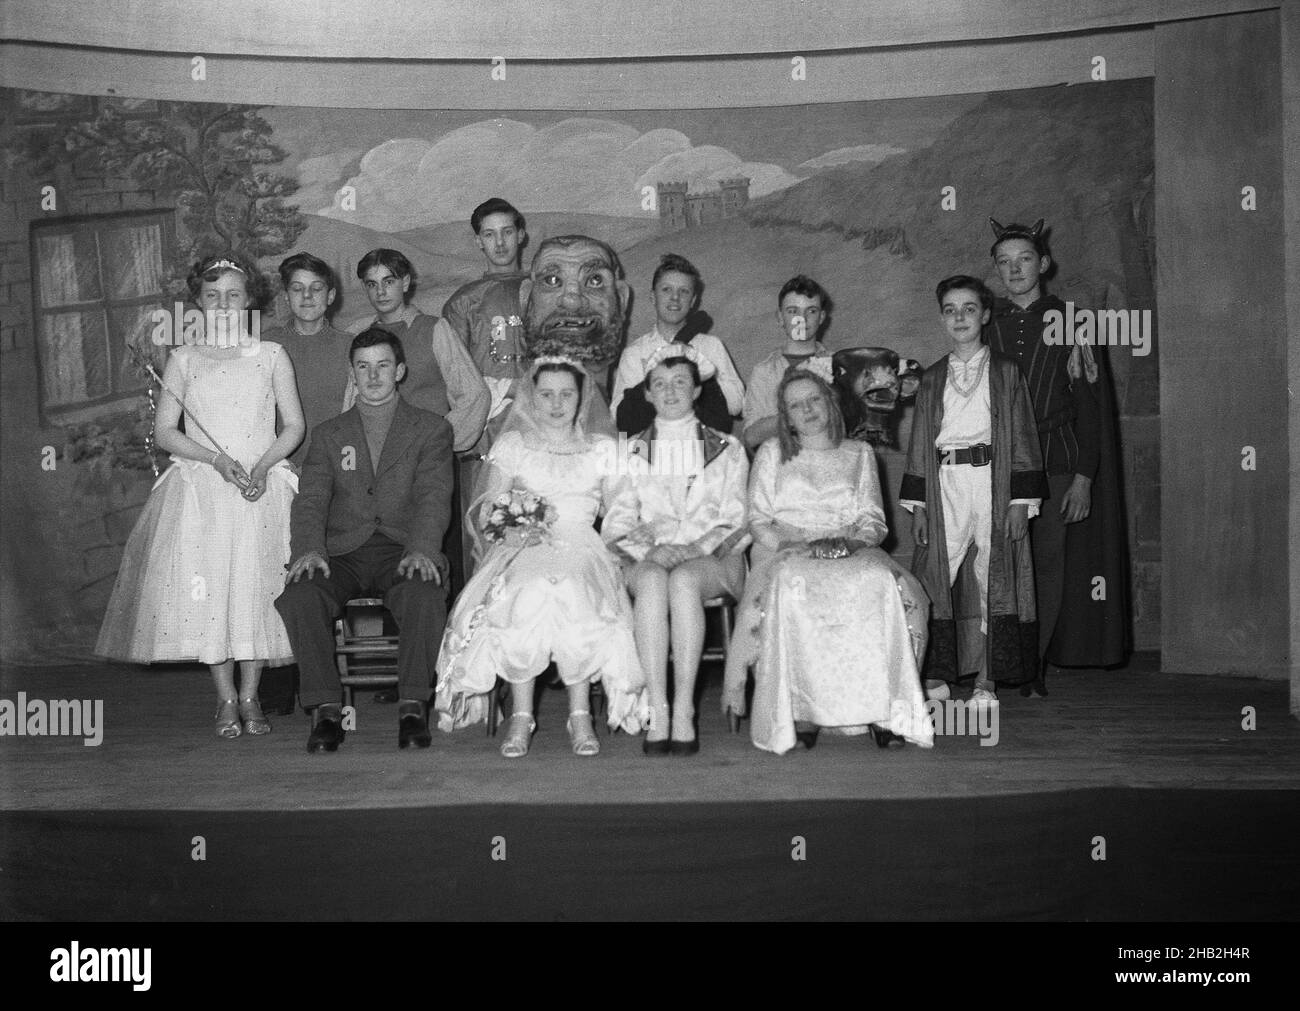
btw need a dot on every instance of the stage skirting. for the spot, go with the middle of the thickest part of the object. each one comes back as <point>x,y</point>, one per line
<point>1086,854</point>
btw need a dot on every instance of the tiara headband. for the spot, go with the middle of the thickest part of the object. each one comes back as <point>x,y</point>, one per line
<point>223,264</point>
<point>673,349</point>
<point>557,360</point>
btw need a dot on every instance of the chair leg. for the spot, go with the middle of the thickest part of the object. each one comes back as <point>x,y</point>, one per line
<point>493,713</point>
<point>733,721</point>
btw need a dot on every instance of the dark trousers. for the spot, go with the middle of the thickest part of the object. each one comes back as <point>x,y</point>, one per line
<point>453,544</point>
<point>467,472</point>
<point>310,606</point>
<point>1048,533</point>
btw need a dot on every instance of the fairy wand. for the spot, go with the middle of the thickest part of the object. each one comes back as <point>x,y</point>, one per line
<point>148,367</point>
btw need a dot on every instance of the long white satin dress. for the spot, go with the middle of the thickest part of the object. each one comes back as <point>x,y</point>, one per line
<point>834,642</point>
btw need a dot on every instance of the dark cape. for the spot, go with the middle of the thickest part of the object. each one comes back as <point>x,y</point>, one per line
<point>1094,632</point>
<point>1078,432</point>
<point>955,637</point>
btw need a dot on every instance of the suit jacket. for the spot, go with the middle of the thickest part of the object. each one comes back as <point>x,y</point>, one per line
<point>343,499</point>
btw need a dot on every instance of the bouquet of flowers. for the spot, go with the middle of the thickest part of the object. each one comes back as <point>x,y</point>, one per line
<point>520,510</point>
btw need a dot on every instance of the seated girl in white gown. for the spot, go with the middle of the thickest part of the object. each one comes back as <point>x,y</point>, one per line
<point>835,628</point>
<point>549,591</point>
<point>678,523</point>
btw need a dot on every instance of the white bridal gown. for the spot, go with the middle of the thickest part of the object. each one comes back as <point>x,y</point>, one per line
<point>562,599</point>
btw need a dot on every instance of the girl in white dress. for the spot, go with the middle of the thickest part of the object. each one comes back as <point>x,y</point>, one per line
<point>207,556</point>
<point>552,594</point>
<point>835,628</point>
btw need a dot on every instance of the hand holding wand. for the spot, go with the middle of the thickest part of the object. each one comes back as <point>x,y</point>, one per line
<point>243,479</point>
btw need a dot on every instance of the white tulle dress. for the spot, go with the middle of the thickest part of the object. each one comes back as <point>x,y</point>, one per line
<point>204,565</point>
<point>562,599</point>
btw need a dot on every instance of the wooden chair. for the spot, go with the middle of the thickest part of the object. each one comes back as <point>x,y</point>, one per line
<point>365,646</point>
<point>725,605</point>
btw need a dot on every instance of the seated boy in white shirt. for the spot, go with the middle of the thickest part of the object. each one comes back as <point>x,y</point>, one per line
<point>677,288</point>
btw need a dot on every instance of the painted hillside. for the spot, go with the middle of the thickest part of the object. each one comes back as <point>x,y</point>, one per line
<point>877,238</point>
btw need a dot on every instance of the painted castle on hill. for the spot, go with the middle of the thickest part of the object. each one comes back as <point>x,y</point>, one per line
<point>679,209</point>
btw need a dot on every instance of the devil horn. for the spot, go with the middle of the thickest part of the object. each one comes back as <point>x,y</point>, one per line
<point>1038,227</point>
<point>997,229</point>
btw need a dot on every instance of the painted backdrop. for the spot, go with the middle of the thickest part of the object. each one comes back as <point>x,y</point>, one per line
<point>876,200</point>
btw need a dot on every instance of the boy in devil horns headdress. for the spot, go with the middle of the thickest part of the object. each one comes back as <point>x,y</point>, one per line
<point>1080,564</point>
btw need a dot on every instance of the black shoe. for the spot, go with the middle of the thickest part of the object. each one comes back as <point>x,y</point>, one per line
<point>808,738</point>
<point>649,747</point>
<point>326,733</point>
<point>413,728</point>
<point>884,738</point>
<point>691,747</point>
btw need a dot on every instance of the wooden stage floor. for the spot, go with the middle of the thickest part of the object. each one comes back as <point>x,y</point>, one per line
<point>1135,728</point>
<point>1127,795</point>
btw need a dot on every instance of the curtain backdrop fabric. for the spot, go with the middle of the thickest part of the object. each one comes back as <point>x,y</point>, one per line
<point>62,359</point>
<point>583,30</point>
<point>662,82</point>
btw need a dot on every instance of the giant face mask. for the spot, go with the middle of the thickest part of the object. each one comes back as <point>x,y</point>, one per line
<point>872,386</point>
<point>576,302</point>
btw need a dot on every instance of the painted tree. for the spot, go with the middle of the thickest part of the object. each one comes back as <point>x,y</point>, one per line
<point>216,164</point>
<point>214,160</point>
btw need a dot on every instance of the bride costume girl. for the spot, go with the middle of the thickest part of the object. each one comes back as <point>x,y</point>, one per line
<point>547,589</point>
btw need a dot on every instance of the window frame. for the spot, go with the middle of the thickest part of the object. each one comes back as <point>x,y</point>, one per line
<point>83,410</point>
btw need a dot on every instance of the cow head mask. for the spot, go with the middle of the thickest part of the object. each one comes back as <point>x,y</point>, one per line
<point>872,383</point>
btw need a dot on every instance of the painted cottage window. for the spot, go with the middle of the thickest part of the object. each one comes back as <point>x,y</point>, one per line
<point>97,283</point>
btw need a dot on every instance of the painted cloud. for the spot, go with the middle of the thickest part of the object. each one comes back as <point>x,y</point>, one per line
<point>578,164</point>
<point>861,152</point>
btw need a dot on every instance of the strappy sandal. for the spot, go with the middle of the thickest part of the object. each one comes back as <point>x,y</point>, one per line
<point>255,721</point>
<point>228,720</point>
<point>582,735</point>
<point>521,727</point>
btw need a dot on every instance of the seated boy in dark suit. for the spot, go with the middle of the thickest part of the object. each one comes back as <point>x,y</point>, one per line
<point>373,504</point>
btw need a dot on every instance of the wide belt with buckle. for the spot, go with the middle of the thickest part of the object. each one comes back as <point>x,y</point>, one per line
<point>977,456</point>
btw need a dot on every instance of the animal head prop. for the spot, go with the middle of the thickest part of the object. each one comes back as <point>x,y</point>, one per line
<point>576,302</point>
<point>872,383</point>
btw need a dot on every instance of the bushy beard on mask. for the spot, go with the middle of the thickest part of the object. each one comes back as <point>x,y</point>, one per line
<point>601,343</point>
